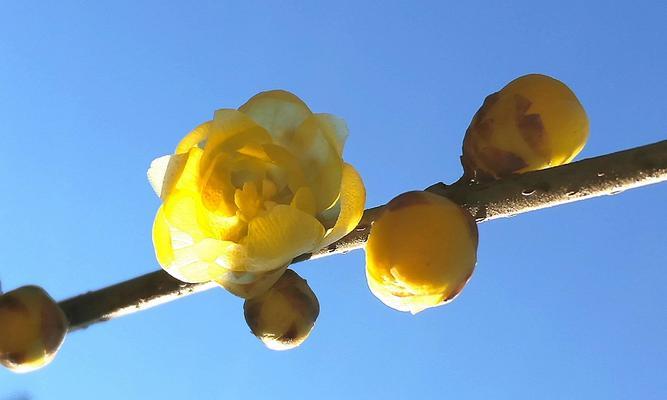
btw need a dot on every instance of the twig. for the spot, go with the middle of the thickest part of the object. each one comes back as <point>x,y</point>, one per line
<point>605,175</point>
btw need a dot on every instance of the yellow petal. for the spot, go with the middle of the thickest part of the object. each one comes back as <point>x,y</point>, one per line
<point>198,263</point>
<point>246,169</point>
<point>216,188</point>
<point>269,189</point>
<point>194,138</point>
<point>278,111</point>
<point>247,200</point>
<point>230,131</point>
<point>288,163</point>
<point>278,236</point>
<point>304,200</point>
<point>334,129</point>
<point>165,171</point>
<point>183,211</point>
<point>320,161</point>
<point>162,239</point>
<point>189,177</point>
<point>181,257</point>
<point>250,284</point>
<point>409,302</point>
<point>352,203</point>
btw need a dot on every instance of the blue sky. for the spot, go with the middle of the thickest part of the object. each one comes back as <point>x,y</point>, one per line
<point>565,303</point>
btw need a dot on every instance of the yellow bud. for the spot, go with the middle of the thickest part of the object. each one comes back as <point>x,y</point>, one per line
<point>32,329</point>
<point>534,122</point>
<point>283,316</point>
<point>421,252</point>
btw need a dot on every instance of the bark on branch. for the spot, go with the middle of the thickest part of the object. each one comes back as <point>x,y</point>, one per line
<point>605,175</point>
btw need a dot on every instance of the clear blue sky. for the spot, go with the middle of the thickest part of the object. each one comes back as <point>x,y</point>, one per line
<point>565,303</point>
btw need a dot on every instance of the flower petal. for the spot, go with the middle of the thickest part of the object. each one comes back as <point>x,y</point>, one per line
<point>194,138</point>
<point>164,251</point>
<point>230,131</point>
<point>198,263</point>
<point>286,163</point>
<point>165,171</point>
<point>215,187</point>
<point>304,200</point>
<point>352,203</point>
<point>250,284</point>
<point>189,176</point>
<point>334,129</point>
<point>320,161</point>
<point>183,211</point>
<point>278,111</point>
<point>279,235</point>
<point>203,261</point>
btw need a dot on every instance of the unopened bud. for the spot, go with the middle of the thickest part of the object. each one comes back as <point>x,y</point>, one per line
<point>283,316</point>
<point>32,329</point>
<point>534,122</point>
<point>421,251</point>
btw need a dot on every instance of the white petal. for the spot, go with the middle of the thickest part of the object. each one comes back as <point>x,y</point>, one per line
<point>164,172</point>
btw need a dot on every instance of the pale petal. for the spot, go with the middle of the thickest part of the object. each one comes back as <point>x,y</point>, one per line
<point>278,111</point>
<point>189,176</point>
<point>181,257</point>
<point>288,164</point>
<point>165,171</point>
<point>335,130</point>
<point>320,161</point>
<point>194,138</point>
<point>230,131</point>
<point>278,236</point>
<point>352,203</point>
<point>250,284</point>
<point>413,303</point>
<point>197,263</point>
<point>304,200</point>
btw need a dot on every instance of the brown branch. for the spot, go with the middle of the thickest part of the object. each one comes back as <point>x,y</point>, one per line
<point>605,175</point>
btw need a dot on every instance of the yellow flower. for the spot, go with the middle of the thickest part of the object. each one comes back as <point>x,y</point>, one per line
<point>250,190</point>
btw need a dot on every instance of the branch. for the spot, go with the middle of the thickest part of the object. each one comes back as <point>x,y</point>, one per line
<point>605,175</point>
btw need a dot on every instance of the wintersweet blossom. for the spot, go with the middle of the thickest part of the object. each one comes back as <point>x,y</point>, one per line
<point>250,190</point>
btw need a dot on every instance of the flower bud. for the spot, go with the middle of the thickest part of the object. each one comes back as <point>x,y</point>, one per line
<point>283,316</point>
<point>534,122</point>
<point>421,251</point>
<point>32,329</point>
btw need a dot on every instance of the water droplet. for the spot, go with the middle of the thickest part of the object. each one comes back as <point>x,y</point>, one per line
<point>528,192</point>
<point>480,214</point>
<point>572,192</point>
<point>600,174</point>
